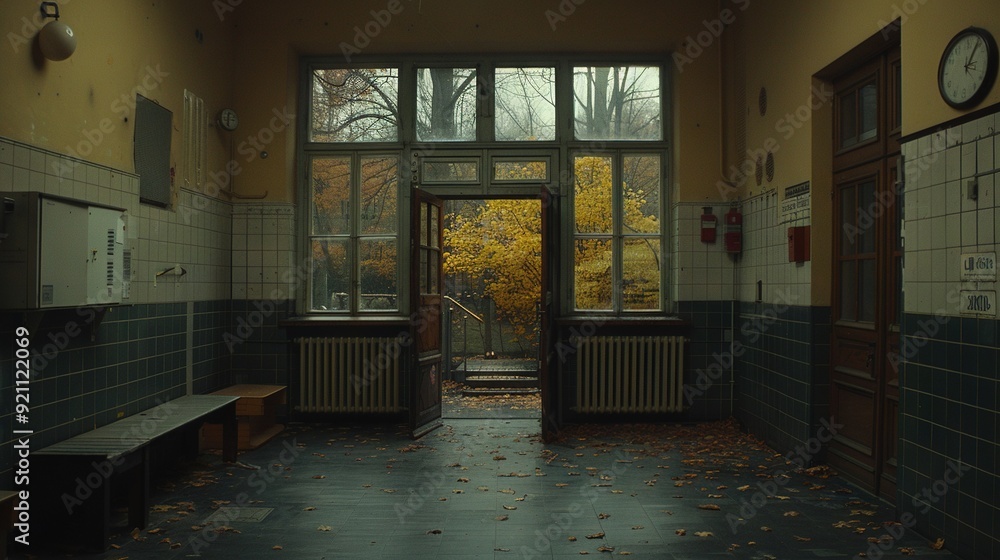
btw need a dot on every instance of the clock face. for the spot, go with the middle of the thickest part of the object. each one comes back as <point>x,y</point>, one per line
<point>228,119</point>
<point>968,68</point>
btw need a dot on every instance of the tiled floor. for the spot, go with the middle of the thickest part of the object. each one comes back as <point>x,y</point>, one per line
<point>488,488</point>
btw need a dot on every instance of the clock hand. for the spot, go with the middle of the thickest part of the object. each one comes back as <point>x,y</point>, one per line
<point>968,62</point>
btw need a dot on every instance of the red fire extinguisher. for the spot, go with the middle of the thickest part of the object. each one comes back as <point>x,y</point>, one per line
<point>708,223</point>
<point>734,231</point>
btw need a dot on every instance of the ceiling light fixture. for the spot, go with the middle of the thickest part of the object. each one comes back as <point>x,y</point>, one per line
<point>56,39</point>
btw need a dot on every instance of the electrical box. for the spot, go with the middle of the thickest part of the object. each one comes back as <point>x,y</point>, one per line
<point>59,252</point>
<point>798,244</point>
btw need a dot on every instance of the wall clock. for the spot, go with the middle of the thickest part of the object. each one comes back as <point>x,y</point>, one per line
<point>968,68</point>
<point>228,119</point>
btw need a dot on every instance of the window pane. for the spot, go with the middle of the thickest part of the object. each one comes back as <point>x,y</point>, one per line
<point>848,119</point>
<point>592,194</point>
<point>641,203</point>
<point>525,103</point>
<point>378,274</point>
<point>520,170</point>
<point>617,103</point>
<point>379,193</point>
<point>446,104</point>
<point>358,105</point>
<point>450,171</point>
<point>869,112</point>
<point>848,228</point>
<point>331,275</point>
<point>641,274</point>
<point>866,297</point>
<point>867,210</point>
<point>331,188</point>
<point>592,274</point>
<point>435,226</point>
<point>849,291</point>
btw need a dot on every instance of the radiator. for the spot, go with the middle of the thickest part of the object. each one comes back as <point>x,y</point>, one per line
<point>623,374</point>
<point>349,375</point>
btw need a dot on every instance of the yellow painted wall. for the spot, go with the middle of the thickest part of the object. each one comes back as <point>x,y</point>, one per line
<point>85,105</point>
<point>270,41</point>
<point>787,42</point>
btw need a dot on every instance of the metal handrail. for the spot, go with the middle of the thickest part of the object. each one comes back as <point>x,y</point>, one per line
<point>464,308</point>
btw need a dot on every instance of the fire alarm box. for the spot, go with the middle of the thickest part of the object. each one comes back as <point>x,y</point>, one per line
<point>798,244</point>
<point>708,223</point>
<point>734,231</point>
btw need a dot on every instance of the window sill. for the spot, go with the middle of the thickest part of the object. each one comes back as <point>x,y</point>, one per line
<point>618,321</point>
<point>344,321</point>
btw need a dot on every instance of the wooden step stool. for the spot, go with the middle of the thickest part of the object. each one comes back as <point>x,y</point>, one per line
<point>255,411</point>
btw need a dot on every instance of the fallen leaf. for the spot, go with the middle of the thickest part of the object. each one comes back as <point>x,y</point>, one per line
<point>603,515</point>
<point>463,479</point>
<point>155,531</point>
<point>801,539</point>
<point>744,488</point>
<point>509,508</point>
<point>766,529</point>
<point>434,532</point>
<point>681,532</point>
<point>712,507</point>
<point>324,528</point>
<point>703,534</point>
<point>502,517</point>
<point>637,527</point>
<point>277,547</point>
<point>938,544</point>
<point>907,551</point>
<point>596,536</point>
<point>319,476</point>
<point>606,549</point>
<point>791,514</point>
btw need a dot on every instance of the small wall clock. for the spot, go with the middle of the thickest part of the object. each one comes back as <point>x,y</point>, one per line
<point>968,68</point>
<point>228,119</point>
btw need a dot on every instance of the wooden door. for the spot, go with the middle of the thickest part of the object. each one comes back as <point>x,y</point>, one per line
<point>425,313</point>
<point>864,376</point>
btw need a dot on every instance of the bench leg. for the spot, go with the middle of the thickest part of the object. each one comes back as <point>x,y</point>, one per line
<point>138,495</point>
<point>230,437</point>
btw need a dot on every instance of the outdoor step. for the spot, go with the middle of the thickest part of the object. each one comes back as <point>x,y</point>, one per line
<point>501,382</point>
<point>505,391</point>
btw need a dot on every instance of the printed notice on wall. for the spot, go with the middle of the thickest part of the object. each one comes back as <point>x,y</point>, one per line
<point>796,204</point>
<point>983,303</point>
<point>979,267</point>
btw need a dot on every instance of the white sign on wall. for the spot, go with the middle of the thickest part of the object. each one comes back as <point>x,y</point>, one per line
<point>796,203</point>
<point>982,303</point>
<point>979,267</point>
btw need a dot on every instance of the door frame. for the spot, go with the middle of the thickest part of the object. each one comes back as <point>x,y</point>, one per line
<point>424,380</point>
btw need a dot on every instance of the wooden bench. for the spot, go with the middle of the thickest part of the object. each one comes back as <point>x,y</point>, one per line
<point>74,501</point>
<point>256,414</point>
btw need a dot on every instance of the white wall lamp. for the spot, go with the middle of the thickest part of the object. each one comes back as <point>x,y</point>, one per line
<point>56,40</point>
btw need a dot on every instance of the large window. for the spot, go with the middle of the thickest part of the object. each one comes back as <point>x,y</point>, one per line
<point>354,233</point>
<point>489,127</point>
<point>617,234</point>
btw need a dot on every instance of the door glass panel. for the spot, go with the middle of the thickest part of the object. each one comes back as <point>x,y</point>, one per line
<point>848,120</point>
<point>641,181</point>
<point>849,291</point>
<point>866,294</point>
<point>331,275</point>
<point>434,227</point>
<point>425,279</point>
<point>641,274</point>
<point>446,104</point>
<point>592,194</point>
<point>617,103</point>
<point>868,96</point>
<point>848,229</point>
<point>354,105</point>
<point>424,211</point>
<point>379,191</point>
<point>331,183</point>
<point>378,275</point>
<point>520,170</point>
<point>444,171</point>
<point>592,274</point>
<point>435,272</point>
<point>525,103</point>
<point>866,213</point>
